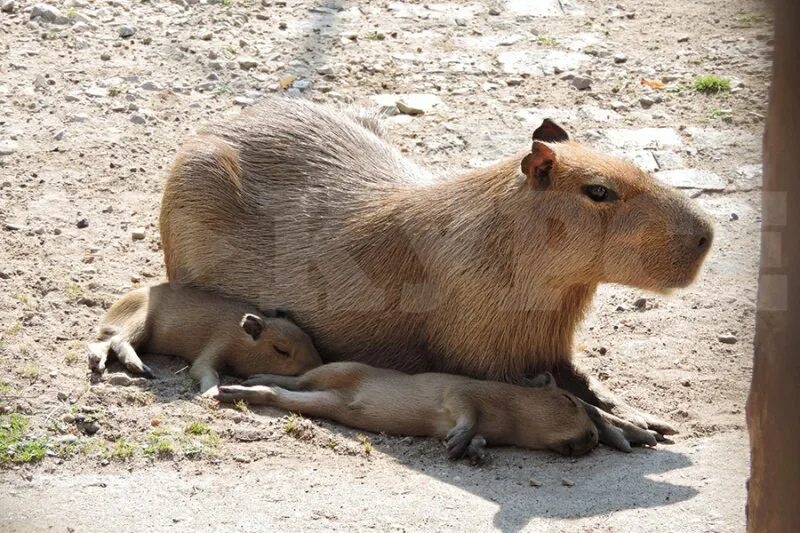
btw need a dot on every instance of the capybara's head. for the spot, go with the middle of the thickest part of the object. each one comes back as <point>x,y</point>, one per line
<point>602,219</point>
<point>562,422</point>
<point>276,346</point>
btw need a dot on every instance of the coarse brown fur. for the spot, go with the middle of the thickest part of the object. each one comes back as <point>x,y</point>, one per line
<point>212,332</point>
<point>485,273</point>
<point>467,413</point>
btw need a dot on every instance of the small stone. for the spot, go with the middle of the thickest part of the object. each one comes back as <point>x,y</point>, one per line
<point>126,30</point>
<point>62,396</point>
<point>150,86</point>
<point>89,427</point>
<point>59,135</point>
<point>534,482</point>
<point>646,102</point>
<point>243,101</point>
<point>120,380</point>
<point>7,147</point>
<point>493,11</point>
<point>105,462</point>
<point>460,21</point>
<point>207,36</point>
<point>727,339</point>
<point>733,217</point>
<point>137,234</point>
<point>282,26</point>
<point>136,118</point>
<point>417,104</point>
<point>147,40</point>
<point>602,350</point>
<point>686,383</point>
<point>8,6</point>
<point>581,83</point>
<point>83,223</point>
<point>67,439</point>
<point>302,85</point>
<point>683,39</point>
<point>641,303</point>
<point>105,56</point>
<point>620,58</point>
<point>567,482</point>
<point>247,63</point>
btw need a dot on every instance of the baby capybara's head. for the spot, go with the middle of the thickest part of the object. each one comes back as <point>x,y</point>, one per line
<point>606,220</point>
<point>275,345</point>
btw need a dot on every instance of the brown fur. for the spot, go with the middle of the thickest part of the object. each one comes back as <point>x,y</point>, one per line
<point>485,273</point>
<point>212,332</point>
<point>466,412</point>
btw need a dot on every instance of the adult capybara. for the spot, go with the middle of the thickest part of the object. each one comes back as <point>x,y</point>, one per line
<point>484,273</point>
<point>211,332</point>
<point>467,413</point>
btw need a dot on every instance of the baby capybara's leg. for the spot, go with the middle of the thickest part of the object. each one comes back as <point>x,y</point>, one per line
<point>284,382</point>
<point>464,417</point>
<point>322,404</point>
<point>129,358</point>
<point>98,355</point>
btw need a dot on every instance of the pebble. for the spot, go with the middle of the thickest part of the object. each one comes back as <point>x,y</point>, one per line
<point>7,147</point>
<point>137,234</point>
<point>8,6</point>
<point>581,83</point>
<point>567,482</point>
<point>534,482</point>
<point>126,30</point>
<point>120,380</point>
<point>733,217</point>
<point>48,13</point>
<point>89,427</point>
<point>59,135</point>
<point>243,101</point>
<point>641,303</point>
<point>683,39</point>
<point>247,63</point>
<point>493,11</point>
<point>686,383</point>
<point>67,439</point>
<point>302,85</point>
<point>417,104</point>
<point>82,223</point>
<point>727,339</point>
<point>105,56</point>
<point>620,58</point>
<point>150,86</point>
<point>646,102</point>
<point>62,396</point>
<point>136,118</point>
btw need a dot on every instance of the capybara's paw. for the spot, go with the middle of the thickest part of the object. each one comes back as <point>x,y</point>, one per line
<point>618,433</point>
<point>644,421</point>
<point>476,450</point>
<point>96,357</point>
<point>257,395</point>
<point>457,441</point>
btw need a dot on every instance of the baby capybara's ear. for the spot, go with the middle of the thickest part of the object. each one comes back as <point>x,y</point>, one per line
<point>550,132</point>
<point>252,325</point>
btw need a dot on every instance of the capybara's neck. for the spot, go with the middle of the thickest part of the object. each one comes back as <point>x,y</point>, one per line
<point>503,307</point>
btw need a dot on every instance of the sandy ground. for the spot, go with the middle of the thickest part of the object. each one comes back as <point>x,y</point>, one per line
<point>90,120</point>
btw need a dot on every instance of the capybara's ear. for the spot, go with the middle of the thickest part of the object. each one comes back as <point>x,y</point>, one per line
<point>252,325</point>
<point>538,165</point>
<point>550,132</point>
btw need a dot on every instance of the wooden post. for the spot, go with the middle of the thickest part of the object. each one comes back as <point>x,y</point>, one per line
<point>773,410</point>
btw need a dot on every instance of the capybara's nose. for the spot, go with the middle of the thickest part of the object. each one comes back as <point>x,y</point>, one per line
<point>700,236</point>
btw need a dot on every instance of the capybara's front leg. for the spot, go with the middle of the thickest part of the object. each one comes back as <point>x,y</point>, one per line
<point>574,379</point>
<point>465,418</point>
<point>98,355</point>
<point>203,371</point>
<point>129,358</point>
<point>284,382</point>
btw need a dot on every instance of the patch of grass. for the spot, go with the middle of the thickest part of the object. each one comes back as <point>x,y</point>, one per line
<point>159,444</point>
<point>115,90</point>
<point>726,115</point>
<point>241,405</point>
<point>366,444</point>
<point>197,428</point>
<point>71,358</point>
<point>28,371</point>
<point>374,36</point>
<point>231,50</point>
<point>23,298</point>
<point>65,450</point>
<point>14,448</point>
<point>292,424</point>
<point>5,388</point>
<point>71,13</point>
<point>122,450</point>
<point>547,40</point>
<point>73,290</point>
<point>711,84</point>
<point>747,20</point>
<point>13,330</point>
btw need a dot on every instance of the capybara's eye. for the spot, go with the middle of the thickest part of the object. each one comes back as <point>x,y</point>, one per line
<point>599,193</point>
<point>280,352</point>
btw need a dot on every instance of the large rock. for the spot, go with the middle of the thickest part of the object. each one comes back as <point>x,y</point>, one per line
<point>48,13</point>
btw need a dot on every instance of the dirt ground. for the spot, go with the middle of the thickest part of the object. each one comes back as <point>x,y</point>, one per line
<point>94,101</point>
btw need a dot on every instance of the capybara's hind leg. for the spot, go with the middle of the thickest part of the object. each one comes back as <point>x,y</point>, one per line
<point>129,358</point>
<point>463,414</point>
<point>98,355</point>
